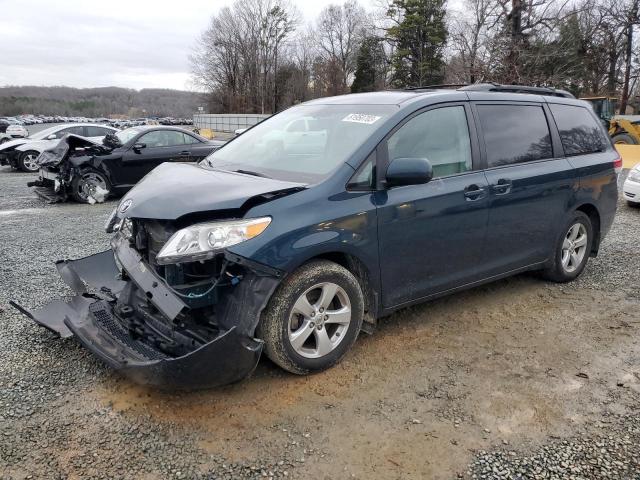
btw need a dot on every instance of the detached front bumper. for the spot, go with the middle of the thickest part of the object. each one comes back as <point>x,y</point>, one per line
<point>95,317</point>
<point>48,186</point>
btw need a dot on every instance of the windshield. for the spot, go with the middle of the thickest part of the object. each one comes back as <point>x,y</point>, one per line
<point>304,143</point>
<point>125,135</point>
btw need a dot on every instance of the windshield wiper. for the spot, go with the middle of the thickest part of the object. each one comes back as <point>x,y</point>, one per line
<point>250,172</point>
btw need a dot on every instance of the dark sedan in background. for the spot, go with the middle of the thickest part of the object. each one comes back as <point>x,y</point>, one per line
<point>89,172</point>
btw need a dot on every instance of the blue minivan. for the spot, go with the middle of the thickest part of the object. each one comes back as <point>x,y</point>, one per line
<point>310,226</point>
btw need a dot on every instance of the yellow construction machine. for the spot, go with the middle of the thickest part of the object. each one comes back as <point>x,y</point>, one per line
<point>624,132</point>
<point>621,130</point>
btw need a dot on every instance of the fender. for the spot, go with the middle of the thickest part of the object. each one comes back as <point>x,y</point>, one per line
<point>37,146</point>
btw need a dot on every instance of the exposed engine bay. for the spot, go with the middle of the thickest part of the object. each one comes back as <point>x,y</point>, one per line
<point>189,325</point>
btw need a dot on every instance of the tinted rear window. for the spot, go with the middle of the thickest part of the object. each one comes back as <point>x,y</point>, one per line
<point>579,131</point>
<point>514,134</point>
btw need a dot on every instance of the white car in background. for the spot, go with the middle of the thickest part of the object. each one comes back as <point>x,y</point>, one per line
<point>631,187</point>
<point>17,131</point>
<point>11,128</point>
<point>21,153</point>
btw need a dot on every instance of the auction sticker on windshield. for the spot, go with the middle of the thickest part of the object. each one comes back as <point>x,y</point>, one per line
<point>361,118</point>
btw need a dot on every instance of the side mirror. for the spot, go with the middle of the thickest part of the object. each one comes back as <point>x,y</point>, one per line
<point>52,137</point>
<point>139,146</point>
<point>408,171</point>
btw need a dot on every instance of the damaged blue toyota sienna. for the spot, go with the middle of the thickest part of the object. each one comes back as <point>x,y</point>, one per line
<point>306,229</point>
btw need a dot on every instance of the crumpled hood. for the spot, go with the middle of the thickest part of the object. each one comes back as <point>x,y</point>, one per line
<point>61,150</point>
<point>172,190</point>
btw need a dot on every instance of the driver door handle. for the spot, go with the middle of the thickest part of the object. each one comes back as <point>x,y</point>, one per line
<point>474,192</point>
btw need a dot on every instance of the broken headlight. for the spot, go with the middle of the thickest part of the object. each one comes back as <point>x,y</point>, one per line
<point>203,240</point>
<point>112,222</point>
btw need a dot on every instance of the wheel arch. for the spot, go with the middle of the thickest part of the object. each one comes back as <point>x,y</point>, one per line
<point>359,269</point>
<point>591,211</point>
<point>86,162</point>
<point>26,147</point>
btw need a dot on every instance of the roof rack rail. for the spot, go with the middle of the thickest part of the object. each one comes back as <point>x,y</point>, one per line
<point>496,87</point>
<point>442,85</point>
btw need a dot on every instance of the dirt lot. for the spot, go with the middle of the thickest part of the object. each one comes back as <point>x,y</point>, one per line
<point>520,378</point>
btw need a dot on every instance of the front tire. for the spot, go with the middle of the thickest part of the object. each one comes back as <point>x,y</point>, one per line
<point>313,318</point>
<point>90,186</point>
<point>572,249</point>
<point>27,161</point>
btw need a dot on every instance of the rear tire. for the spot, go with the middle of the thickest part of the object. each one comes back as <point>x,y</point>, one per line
<point>313,318</point>
<point>624,139</point>
<point>27,161</point>
<point>633,204</point>
<point>90,184</point>
<point>572,249</point>
<point>3,140</point>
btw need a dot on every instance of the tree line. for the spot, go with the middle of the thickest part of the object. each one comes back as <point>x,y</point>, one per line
<point>258,56</point>
<point>98,102</point>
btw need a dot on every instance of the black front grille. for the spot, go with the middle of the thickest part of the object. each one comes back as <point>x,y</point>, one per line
<point>105,320</point>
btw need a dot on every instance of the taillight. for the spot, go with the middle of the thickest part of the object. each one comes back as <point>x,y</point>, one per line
<point>617,163</point>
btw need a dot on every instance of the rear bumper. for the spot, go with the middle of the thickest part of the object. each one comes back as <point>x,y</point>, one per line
<point>95,317</point>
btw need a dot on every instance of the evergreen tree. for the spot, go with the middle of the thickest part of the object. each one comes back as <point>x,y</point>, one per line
<point>369,75</point>
<point>419,36</point>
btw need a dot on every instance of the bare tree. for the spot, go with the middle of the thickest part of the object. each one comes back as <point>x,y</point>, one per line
<point>472,31</point>
<point>238,56</point>
<point>626,15</point>
<point>340,30</point>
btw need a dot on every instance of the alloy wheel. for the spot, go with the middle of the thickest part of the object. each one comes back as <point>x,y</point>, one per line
<point>574,247</point>
<point>319,320</point>
<point>29,162</point>
<point>92,185</point>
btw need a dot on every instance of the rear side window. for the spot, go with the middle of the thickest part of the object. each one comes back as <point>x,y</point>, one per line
<point>514,134</point>
<point>579,131</point>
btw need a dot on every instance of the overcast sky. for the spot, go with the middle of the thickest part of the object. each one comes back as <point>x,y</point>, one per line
<point>125,43</point>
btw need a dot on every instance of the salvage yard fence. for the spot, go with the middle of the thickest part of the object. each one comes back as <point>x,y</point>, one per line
<point>226,122</point>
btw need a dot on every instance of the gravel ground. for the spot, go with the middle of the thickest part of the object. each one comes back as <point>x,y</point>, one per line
<point>519,379</point>
<point>611,455</point>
